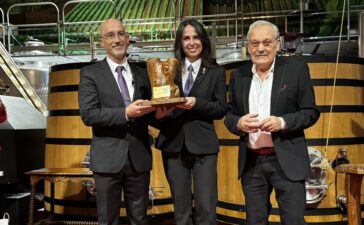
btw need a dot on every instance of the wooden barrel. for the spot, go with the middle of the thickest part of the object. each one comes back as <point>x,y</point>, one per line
<point>346,131</point>
<point>68,141</point>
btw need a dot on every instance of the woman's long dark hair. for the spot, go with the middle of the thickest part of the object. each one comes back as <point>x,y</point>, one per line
<point>206,59</point>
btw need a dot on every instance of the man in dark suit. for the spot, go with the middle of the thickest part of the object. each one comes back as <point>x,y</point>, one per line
<point>187,135</point>
<point>271,102</point>
<point>110,97</point>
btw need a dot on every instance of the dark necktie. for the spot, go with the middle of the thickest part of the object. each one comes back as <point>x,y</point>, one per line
<point>189,81</point>
<point>122,84</point>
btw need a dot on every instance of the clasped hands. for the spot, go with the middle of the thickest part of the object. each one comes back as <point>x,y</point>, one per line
<point>250,124</point>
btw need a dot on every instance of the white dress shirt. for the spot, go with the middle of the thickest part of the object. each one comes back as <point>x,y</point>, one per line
<point>259,103</point>
<point>127,74</point>
<point>196,67</point>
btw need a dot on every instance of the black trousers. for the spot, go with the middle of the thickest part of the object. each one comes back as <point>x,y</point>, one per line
<point>109,187</point>
<point>184,171</point>
<point>261,174</point>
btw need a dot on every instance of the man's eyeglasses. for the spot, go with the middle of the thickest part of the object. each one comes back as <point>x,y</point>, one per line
<point>266,43</point>
<point>112,36</point>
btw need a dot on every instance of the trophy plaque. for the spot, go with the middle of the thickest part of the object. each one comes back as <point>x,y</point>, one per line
<point>161,75</point>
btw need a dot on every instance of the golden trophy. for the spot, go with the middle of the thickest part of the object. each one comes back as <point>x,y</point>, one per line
<point>161,75</point>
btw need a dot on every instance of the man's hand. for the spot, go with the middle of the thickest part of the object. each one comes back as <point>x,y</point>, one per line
<point>248,123</point>
<point>135,109</point>
<point>191,101</point>
<point>271,124</point>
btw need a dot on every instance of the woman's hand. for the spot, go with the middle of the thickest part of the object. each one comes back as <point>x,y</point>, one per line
<point>191,101</point>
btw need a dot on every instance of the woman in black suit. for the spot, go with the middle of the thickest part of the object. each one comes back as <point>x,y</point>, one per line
<point>187,136</point>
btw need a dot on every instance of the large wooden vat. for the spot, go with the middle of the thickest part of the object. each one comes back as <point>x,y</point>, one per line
<point>347,130</point>
<point>67,140</point>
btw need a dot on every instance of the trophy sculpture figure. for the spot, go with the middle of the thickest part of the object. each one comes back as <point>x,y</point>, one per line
<point>161,76</point>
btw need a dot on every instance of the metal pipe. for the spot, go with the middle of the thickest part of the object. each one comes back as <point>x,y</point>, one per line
<point>301,16</point>
<point>181,13</point>
<point>361,35</point>
<point>348,18</point>
<point>286,24</point>
<point>213,40</point>
<point>236,23</point>
<point>227,28</point>
<point>242,22</point>
<point>176,15</point>
<point>92,46</point>
<point>2,15</point>
<point>2,24</point>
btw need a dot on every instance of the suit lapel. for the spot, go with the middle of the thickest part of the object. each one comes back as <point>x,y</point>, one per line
<point>247,80</point>
<point>178,82</point>
<point>200,76</point>
<point>110,79</point>
<point>136,81</point>
<point>246,89</point>
<point>278,78</point>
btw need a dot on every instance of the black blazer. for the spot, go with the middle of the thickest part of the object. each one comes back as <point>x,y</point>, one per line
<point>102,107</point>
<point>194,128</point>
<point>292,99</point>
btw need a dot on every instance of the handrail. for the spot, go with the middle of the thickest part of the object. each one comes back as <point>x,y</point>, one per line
<point>2,25</point>
<point>146,19</point>
<point>20,81</point>
<point>9,25</point>
<point>64,23</point>
<point>2,15</point>
<point>357,6</point>
<point>229,18</point>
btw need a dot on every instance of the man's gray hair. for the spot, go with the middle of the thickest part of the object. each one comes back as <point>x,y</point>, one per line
<point>260,23</point>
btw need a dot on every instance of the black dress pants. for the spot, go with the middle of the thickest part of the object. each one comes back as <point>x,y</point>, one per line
<point>185,171</point>
<point>109,187</point>
<point>261,174</point>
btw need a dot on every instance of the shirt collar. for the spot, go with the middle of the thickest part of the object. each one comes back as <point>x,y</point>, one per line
<point>113,65</point>
<point>196,64</point>
<point>270,71</point>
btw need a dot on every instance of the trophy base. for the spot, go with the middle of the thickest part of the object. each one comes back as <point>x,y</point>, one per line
<point>170,102</point>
